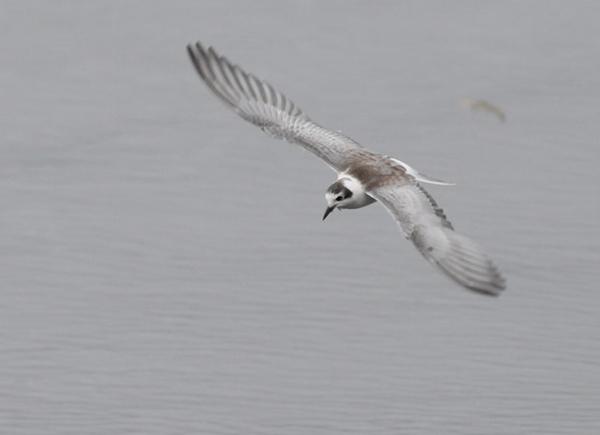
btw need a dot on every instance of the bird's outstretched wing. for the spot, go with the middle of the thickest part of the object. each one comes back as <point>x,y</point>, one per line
<point>425,223</point>
<point>259,103</point>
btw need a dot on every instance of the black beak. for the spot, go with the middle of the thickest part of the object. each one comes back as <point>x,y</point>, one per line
<point>328,211</point>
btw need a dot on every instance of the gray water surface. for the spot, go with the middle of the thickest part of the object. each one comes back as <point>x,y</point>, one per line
<point>164,268</point>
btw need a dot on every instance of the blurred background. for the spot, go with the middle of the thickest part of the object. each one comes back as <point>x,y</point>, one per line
<point>164,267</point>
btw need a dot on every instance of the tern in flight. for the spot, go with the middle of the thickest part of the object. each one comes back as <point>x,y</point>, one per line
<point>363,176</point>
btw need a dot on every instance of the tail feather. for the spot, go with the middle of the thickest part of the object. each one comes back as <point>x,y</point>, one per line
<point>419,176</point>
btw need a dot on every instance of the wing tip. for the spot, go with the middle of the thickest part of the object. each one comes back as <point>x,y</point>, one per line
<point>460,259</point>
<point>493,284</point>
<point>484,279</point>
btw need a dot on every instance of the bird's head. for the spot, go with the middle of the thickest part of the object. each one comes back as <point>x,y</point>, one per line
<point>338,195</point>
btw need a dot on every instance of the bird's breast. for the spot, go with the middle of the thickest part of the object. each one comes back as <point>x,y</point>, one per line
<point>359,199</point>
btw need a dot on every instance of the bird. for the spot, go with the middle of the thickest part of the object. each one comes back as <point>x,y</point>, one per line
<point>363,176</point>
<point>485,106</point>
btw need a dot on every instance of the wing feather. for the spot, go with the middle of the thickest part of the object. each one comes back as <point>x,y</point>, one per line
<point>258,102</point>
<point>425,224</point>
